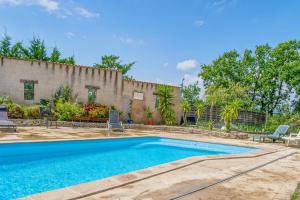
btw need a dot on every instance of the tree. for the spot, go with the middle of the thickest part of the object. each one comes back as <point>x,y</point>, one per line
<point>55,55</point>
<point>186,107</point>
<point>223,71</point>
<point>213,96</point>
<point>68,60</point>
<point>191,92</point>
<point>200,109</point>
<point>165,95</point>
<point>113,62</point>
<point>230,112</point>
<point>265,73</point>
<point>5,46</point>
<point>36,50</point>
<point>17,51</point>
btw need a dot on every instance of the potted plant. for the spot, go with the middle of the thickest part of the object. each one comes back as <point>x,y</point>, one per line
<point>149,116</point>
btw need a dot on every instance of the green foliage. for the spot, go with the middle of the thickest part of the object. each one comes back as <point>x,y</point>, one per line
<point>190,93</point>
<point>31,112</point>
<point>170,117</point>
<point>5,100</point>
<point>148,113</point>
<point>186,107</point>
<point>17,51</point>
<point>113,62</point>
<point>230,113</point>
<point>5,46</point>
<point>200,109</point>
<point>214,96</point>
<point>55,55</point>
<point>263,73</point>
<point>291,119</point>
<point>36,50</point>
<point>165,95</point>
<point>296,194</point>
<point>68,60</point>
<point>64,111</point>
<point>14,110</point>
<point>63,93</point>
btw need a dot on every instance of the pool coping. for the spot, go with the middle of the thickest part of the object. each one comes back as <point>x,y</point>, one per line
<point>98,186</point>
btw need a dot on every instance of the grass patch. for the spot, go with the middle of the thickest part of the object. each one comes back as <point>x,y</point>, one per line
<point>296,194</point>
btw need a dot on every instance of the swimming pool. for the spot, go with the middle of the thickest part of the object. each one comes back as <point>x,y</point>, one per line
<point>29,168</point>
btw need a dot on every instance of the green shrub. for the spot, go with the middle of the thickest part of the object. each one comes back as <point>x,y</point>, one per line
<point>14,110</point>
<point>63,93</point>
<point>5,100</point>
<point>31,112</point>
<point>64,111</point>
<point>296,194</point>
<point>170,117</point>
<point>290,119</point>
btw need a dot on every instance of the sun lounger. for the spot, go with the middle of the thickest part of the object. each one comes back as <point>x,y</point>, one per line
<point>114,123</point>
<point>292,138</point>
<point>277,135</point>
<point>4,121</point>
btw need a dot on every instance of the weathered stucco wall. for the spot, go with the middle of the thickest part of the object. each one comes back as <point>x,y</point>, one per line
<point>111,88</point>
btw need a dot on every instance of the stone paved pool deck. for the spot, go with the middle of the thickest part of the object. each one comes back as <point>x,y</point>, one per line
<point>272,173</point>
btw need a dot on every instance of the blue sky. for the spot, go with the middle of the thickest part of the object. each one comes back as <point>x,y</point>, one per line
<point>168,39</point>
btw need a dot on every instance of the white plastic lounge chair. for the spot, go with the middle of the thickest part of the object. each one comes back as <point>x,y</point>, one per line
<point>114,123</point>
<point>292,138</point>
<point>4,121</point>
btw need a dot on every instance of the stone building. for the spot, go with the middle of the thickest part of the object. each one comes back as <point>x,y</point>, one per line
<point>28,81</point>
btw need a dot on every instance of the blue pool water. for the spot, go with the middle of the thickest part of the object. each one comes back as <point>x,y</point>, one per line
<point>30,168</point>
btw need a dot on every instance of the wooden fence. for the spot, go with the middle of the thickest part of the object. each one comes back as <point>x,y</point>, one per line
<point>244,117</point>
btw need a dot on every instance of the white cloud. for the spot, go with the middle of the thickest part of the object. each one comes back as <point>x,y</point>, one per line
<point>199,23</point>
<point>70,35</point>
<point>49,5</point>
<point>129,40</point>
<point>220,5</point>
<point>85,13</point>
<point>187,64</point>
<point>61,10</point>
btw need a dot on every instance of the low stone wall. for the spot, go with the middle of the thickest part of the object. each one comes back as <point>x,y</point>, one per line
<point>179,129</point>
<point>38,122</point>
<point>175,129</point>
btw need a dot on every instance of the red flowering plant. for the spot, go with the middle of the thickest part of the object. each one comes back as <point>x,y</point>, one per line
<point>94,110</point>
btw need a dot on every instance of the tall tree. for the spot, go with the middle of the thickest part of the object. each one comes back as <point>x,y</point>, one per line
<point>191,92</point>
<point>55,55</point>
<point>37,50</point>
<point>265,73</point>
<point>17,50</point>
<point>113,62</point>
<point>5,44</point>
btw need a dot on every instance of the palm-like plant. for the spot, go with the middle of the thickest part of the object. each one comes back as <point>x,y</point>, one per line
<point>200,108</point>
<point>186,107</point>
<point>230,113</point>
<point>213,96</point>
<point>165,95</point>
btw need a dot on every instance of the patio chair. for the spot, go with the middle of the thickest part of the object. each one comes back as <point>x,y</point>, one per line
<point>113,123</point>
<point>277,135</point>
<point>292,138</point>
<point>4,121</point>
